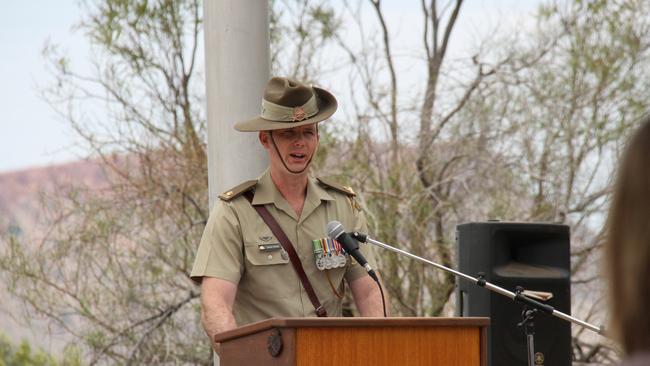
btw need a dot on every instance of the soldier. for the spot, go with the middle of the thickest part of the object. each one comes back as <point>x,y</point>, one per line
<point>246,274</point>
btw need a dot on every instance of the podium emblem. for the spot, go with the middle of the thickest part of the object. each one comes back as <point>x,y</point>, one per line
<point>274,343</point>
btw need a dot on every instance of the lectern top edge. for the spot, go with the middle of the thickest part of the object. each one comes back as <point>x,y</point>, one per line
<point>350,322</point>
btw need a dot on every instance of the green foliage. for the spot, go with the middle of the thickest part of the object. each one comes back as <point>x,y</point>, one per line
<point>585,92</point>
<point>71,356</point>
<point>326,18</point>
<point>24,355</point>
<point>299,31</point>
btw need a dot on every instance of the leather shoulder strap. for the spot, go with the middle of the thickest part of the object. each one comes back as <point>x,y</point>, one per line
<point>288,247</point>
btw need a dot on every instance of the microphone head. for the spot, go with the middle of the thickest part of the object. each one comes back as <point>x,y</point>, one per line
<point>334,229</point>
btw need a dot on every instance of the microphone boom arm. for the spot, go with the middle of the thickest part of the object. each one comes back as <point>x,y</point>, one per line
<point>520,297</point>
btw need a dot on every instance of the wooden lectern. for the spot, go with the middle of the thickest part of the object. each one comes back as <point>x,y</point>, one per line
<point>357,341</point>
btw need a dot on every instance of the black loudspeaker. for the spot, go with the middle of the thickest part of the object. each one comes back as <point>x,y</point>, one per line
<point>534,256</point>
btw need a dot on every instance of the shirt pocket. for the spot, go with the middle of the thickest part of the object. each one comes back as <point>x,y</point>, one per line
<point>263,249</point>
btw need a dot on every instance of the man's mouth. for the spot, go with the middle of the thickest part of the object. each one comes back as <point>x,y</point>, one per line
<point>298,156</point>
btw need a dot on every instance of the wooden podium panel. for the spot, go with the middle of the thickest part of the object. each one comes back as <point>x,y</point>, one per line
<point>358,341</point>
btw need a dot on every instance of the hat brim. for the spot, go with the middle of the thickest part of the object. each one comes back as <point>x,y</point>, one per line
<point>327,105</point>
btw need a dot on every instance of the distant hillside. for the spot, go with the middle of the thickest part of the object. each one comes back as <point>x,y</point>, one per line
<point>21,213</point>
<point>21,191</point>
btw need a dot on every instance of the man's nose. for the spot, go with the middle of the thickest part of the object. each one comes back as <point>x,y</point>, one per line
<point>300,138</point>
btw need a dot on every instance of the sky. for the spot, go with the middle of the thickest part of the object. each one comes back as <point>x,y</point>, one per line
<point>31,134</point>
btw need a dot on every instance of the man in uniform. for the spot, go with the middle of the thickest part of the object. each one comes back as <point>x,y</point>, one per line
<point>245,274</point>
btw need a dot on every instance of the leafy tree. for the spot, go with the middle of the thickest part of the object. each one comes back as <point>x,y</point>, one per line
<point>112,267</point>
<point>524,128</point>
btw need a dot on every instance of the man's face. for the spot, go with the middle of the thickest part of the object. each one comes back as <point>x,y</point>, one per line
<point>294,147</point>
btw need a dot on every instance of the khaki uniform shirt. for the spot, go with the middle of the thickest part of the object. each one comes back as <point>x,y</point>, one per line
<point>234,247</point>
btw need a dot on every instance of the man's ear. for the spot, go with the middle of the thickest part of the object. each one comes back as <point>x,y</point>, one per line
<point>263,136</point>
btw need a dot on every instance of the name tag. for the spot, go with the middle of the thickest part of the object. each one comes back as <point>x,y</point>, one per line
<point>270,247</point>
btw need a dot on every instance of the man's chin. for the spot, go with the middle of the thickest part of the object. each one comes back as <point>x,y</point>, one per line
<point>298,169</point>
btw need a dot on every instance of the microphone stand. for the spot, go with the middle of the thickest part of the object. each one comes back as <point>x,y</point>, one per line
<point>531,306</point>
<point>528,323</point>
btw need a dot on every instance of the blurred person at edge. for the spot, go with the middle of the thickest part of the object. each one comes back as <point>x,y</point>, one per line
<point>627,250</point>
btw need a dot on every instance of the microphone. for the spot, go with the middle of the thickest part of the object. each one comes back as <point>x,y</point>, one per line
<point>336,232</point>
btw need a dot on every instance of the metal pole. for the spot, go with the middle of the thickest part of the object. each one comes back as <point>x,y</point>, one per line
<point>237,66</point>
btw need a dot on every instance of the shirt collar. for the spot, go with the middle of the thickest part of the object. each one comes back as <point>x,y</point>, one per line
<point>266,192</point>
<point>317,191</point>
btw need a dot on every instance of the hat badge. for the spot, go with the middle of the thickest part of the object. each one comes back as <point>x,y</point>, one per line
<point>298,114</point>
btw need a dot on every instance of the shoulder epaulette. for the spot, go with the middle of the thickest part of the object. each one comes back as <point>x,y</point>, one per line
<point>335,186</point>
<point>238,190</point>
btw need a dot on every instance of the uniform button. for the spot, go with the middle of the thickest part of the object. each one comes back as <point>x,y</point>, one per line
<point>269,257</point>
